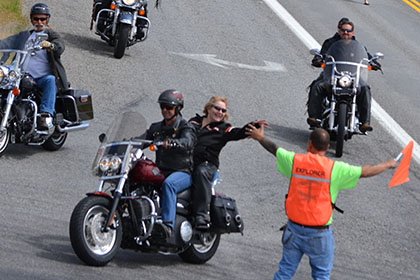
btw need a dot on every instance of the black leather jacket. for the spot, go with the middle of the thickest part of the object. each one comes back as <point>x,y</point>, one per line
<point>212,138</point>
<point>317,61</point>
<point>180,156</point>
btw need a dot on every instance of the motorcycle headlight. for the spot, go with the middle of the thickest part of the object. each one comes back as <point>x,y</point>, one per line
<point>12,76</point>
<point>129,2</point>
<point>115,163</point>
<point>104,164</point>
<point>345,81</point>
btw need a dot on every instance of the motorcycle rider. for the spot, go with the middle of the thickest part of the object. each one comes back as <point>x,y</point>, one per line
<point>105,4</point>
<point>318,89</point>
<point>175,158</point>
<point>213,133</point>
<point>45,65</point>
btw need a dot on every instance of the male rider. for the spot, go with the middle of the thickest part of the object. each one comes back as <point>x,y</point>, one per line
<point>315,181</point>
<point>318,89</point>
<point>44,65</point>
<point>174,159</point>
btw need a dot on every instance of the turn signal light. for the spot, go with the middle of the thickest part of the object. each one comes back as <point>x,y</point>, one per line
<point>15,91</point>
<point>323,65</point>
<point>113,6</point>
<point>152,148</point>
<point>369,67</point>
<point>142,12</point>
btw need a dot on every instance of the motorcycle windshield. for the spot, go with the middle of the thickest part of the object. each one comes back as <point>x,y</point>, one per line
<point>115,141</point>
<point>346,57</point>
<point>10,58</point>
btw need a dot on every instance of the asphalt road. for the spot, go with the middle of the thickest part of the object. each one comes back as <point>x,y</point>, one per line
<point>376,238</point>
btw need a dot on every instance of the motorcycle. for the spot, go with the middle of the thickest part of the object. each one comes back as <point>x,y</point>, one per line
<point>20,99</point>
<point>346,67</point>
<point>122,23</point>
<point>125,210</point>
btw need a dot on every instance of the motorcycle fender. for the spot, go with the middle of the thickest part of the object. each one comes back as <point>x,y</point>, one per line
<point>126,18</point>
<point>99,194</point>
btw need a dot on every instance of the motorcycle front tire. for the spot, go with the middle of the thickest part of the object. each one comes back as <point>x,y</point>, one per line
<point>342,115</point>
<point>4,141</point>
<point>201,253</point>
<point>90,243</point>
<point>122,40</point>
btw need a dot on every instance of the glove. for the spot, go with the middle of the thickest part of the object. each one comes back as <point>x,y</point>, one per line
<point>375,65</point>
<point>46,45</point>
<point>317,61</point>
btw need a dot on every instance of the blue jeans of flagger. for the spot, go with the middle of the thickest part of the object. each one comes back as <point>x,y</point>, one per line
<point>49,91</point>
<point>317,244</point>
<point>176,182</point>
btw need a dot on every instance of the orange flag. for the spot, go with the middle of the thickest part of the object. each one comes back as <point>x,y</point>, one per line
<point>401,174</point>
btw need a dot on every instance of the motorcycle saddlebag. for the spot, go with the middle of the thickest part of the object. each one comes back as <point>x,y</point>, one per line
<point>224,215</point>
<point>75,105</point>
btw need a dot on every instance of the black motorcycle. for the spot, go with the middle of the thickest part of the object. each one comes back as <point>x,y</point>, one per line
<point>125,210</point>
<point>121,23</point>
<point>346,67</point>
<point>20,99</point>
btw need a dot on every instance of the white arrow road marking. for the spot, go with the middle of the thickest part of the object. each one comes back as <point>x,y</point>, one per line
<point>211,59</point>
<point>378,112</point>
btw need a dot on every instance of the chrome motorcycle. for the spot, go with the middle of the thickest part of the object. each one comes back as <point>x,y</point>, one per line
<point>121,23</point>
<point>20,99</point>
<point>125,210</point>
<point>346,65</point>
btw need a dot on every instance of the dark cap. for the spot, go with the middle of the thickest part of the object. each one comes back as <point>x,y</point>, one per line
<point>345,20</point>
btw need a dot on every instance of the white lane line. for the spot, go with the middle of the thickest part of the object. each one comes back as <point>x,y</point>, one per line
<point>389,124</point>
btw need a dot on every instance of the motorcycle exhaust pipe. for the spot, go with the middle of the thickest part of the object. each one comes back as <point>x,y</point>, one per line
<point>81,126</point>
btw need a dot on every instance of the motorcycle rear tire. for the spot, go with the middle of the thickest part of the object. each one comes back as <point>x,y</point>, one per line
<point>122,40</point>
<point>55,141</point>
<point>342,115</point>
<point>201,253</point>
<point>4,141</point>
<point>90,244</point>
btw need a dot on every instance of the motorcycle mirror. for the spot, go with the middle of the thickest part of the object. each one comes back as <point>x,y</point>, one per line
<point>379,55</point>
<point>314,52</point>
<point>102,137</point>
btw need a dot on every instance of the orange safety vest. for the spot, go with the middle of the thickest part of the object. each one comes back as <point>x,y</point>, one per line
<point>308,201</point>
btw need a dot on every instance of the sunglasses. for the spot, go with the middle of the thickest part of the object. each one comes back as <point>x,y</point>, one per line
<point>219,109</point>
<point>39,18</point>
<point>346,30</point>
<point>166,106</point>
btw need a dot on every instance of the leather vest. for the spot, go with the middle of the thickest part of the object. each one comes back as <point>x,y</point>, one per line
<point>308,201</point>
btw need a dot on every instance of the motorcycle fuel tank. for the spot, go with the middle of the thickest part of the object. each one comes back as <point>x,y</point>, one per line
<point>146,172</point>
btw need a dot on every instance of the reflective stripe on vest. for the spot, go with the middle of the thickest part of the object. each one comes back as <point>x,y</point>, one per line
<point>308,201</point>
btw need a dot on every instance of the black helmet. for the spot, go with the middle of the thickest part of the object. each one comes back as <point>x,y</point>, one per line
<point>172,97</point>
<point>40,9</point>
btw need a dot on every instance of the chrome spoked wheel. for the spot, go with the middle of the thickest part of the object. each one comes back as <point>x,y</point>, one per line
<point>98,241</point>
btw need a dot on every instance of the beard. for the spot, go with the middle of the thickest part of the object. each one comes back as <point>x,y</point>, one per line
<point>39,26</point>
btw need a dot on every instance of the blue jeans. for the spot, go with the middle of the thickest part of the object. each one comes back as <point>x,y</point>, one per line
<point>173,184</point>
<point>49,91</point>
<point>317,244</point>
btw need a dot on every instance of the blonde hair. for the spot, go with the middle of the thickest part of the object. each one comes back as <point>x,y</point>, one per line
<point>213,100</point>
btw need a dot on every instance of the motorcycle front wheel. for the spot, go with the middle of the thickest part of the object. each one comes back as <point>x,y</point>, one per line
<point>122,40</point>
<point>342,115</point>
<point>201,253</point>
<point>55,141</point>
<point>90,243</point>
<point>4,140</point>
